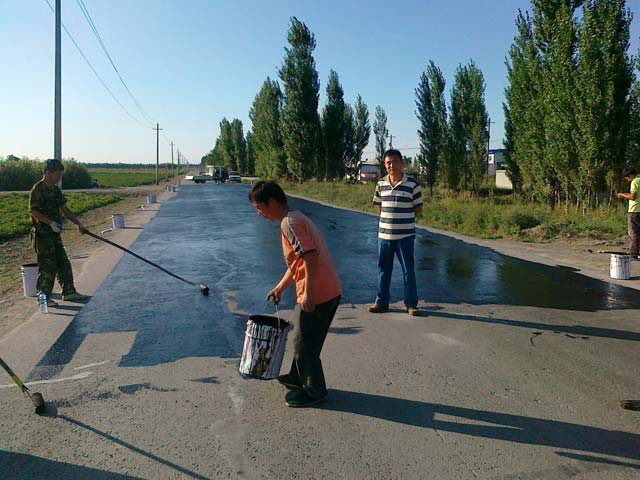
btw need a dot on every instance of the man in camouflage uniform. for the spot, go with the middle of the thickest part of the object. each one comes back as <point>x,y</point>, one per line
<point>47,205</point>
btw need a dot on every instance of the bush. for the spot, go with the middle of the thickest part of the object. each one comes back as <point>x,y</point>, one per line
<point>76,175</point>
<point>19,174</point>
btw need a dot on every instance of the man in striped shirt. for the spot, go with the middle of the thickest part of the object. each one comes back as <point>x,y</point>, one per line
<point>398,198</point>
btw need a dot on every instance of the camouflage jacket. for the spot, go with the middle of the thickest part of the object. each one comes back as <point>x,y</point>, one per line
<point>48,201</point>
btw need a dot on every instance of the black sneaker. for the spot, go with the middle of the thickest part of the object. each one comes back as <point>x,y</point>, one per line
<point>289,382</point>
<point>301,399</point>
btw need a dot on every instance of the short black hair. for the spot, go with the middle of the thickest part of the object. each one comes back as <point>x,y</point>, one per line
<point>392,152</point>
<point>53,165</point>
<point>263,190</point>
<point>628,170</point>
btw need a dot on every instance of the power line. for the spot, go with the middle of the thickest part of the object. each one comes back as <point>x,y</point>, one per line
<point>89,20</point>
<point>96,73</point>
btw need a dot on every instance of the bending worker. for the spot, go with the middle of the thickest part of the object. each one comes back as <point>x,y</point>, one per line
<point>47,205</point>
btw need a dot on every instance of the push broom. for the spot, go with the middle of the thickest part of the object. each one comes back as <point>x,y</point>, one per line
<point>36,398</point>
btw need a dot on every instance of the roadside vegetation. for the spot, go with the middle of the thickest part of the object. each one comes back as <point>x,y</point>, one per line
<point>127,177</point>
<point>19,174</point>
<point>14,210</point>
<point>490,216</point>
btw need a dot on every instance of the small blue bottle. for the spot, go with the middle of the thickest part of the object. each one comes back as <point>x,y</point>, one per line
<point>42,301</point>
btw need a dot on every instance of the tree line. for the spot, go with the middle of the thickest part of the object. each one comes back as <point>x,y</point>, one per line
<point>288,133</point>
<point>572,112</point>
<point>572,103</point>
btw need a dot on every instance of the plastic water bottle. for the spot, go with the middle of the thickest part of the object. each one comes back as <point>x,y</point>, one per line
<point>42,301</point>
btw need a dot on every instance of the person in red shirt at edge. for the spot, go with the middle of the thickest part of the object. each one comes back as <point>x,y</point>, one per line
<point>318,291</point>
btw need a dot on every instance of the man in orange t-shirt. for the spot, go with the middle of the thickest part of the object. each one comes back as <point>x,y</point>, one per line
<point>318,291</point>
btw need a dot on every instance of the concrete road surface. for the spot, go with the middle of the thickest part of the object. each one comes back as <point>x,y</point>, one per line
<point>513,371</point>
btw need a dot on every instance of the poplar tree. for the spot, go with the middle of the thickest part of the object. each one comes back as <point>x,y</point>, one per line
<point>224,146</point>
<point>334,129</point>
<point>380,131</point>
<point>605,76</point>
<point>251,154</point>
<point>362,129</point>
<point>239,147</point>
<point>300,120</point>
<point>432,114</point>
<point>468,123</point>
<point>265,115</point>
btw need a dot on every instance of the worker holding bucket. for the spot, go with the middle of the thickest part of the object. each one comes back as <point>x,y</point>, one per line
<point>318,291</point>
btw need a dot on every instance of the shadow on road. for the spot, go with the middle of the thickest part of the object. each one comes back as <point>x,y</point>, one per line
<point>22,466</point>
<point>499,426</point>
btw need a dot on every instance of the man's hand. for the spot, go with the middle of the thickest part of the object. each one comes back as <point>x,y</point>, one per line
<point>82,229</point>
<point>274,295</point>
<point>56,227</point>
<point>306,303</point>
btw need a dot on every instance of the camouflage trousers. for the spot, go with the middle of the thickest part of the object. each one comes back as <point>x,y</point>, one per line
<point>52,261</point>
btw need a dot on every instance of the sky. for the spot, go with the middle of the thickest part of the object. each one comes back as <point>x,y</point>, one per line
<point>189,63</point>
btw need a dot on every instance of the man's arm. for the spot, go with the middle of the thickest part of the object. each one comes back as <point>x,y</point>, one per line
<point>379,208</point>
<point>72,216</point>
<point>627,196</point>
<point>310,259</point>
<point>281,286</point>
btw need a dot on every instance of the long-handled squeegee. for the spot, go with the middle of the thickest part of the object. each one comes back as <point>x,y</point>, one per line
<point>36,398</point>
<point>203,288</point>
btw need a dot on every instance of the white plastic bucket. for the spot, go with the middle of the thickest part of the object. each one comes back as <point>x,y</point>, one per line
<point>620,267</point>
<point>29,279</point>
<point>118,221</point>
<point>151,199</point>
<point>264,344</point>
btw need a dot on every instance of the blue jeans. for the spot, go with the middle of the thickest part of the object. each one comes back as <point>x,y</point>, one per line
<point>403,249</point>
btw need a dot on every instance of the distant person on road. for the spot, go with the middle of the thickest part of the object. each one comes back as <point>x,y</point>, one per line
<point>398,199</point>
<point>633,217</point>
<point>318,291</point>
<point>47,205</point>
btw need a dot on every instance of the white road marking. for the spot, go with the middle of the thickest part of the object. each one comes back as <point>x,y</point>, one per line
<point>80,376</point>
<point>91,365</point>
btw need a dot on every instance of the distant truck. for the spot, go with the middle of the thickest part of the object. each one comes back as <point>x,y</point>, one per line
<point>217,173</point>
<point>200,178</point>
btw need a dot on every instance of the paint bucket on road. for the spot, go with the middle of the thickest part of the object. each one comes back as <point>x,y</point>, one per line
<point>118,221</point>
<point>264,343</point>
<point>151,199</point>
<point>29,279</point>
<point>620,267</point>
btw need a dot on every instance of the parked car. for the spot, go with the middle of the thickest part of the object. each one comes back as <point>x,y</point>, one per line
<point>234,176</point>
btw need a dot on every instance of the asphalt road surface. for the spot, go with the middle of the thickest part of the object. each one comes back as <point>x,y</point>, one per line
<point>513,371</point>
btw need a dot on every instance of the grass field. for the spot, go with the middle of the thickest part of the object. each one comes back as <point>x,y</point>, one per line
<point>14,210</point>
<point>497,217</point>
<point>123,177</point>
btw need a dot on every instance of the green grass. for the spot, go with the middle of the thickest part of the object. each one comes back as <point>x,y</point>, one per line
<point>489,217</point>
<point>125,177</point>
<point>14,210</point>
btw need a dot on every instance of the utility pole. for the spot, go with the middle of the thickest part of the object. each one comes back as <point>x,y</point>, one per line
<point>489,122</point>
<point>172,174</point>
<point>157,129</point>
<point>57,115</point>
<point>178,161</point>
<point>390,141</point>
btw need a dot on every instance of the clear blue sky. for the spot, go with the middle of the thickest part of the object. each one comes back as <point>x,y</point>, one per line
<point>191,62</point>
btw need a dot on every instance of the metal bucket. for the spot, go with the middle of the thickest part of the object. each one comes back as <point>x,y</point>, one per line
<point>29,279</point>
<point>620,267</point>
<point>118,221</point>
<point>151,199</point>
<point>264,343</point>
